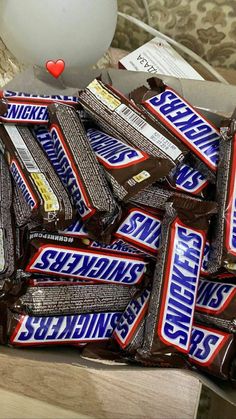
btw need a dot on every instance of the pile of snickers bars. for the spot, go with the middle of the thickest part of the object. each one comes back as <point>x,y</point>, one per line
<point>118,225</point>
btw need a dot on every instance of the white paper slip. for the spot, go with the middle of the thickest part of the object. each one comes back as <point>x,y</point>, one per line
<point>158,57</point>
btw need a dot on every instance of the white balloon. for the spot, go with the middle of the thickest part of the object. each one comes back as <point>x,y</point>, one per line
<point>76,31</point>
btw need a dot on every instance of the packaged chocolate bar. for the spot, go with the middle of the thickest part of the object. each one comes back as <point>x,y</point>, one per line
<point>43,136</point>
<point>157,195</point>
<point>128,169</point>
<point>57,255</point>
<point>170,315</point>
<point>132,320</point>
<point>165,105</point>
<point>212,350</point>
<point>24,330</point>
<point>23,108</point>
<point>120,118</point>
<point>223,245</point>
<point>216,321</point>
<point>7,235</point>
<point>83,175</point>
<point>74,299</point>
<point>141,227</point>
<point>33,174</point>
<point>187,179</point>
<point>216,298</point>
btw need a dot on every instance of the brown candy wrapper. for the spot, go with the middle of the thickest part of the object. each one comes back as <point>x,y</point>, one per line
<point>171,309</point>
<point>212,351</point>
<point>122,119</point>
<point>128,169</point>
<point>83,175</point>
<point>33,174</point>
<point>175,114</point>
<point>223,246</point>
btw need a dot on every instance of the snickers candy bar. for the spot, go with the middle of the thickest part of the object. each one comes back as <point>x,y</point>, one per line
<point>157,195</point>
<point>132,320</point>
<point>73,299</point>
<point>7,235</point>
<point>33,174</point>
<point>43,136</point>
<point>191,128</point>
<point>223,246</point>
<point>24,330</point>
<point>172,303</point>
<point>23,108</point>
<point>141,227</point>
<point>83,175</point>
<point>189,180</point>
<point>216,298</point>
<point>128,169</point>
<point>122,119</point>
<point>212,350</point>
<point>51,254</point>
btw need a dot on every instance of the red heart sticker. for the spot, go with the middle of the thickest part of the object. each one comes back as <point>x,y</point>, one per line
<point>55,68</point>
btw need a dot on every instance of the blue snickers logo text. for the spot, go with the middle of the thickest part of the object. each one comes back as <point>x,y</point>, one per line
<point>213,297</point>
<point>180,286</point>
<point>61,329</point>
<point>27,113</point>
<point>205,344</point>
<point>44,138</point>
<point>22,184</point>
<point>112,152</point>
<point>70,176</point>
<point>59,261</point>
<point>190,127</point>
<point>189,179</point>
<point>141,229</point>
<point>8,94</point>
<point>131,318</point>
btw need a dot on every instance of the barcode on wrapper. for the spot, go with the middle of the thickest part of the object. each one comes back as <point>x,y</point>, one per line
<point>137,122</point>
<point>22,149</point>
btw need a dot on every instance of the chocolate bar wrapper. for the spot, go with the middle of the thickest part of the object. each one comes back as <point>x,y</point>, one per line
<point>23,330</point>
<point>165,105</point>
<point>223,245</point>
<point>216,298</point>
<point>189,180</point>
<point>129,331</point>
<point>73,299</point>
<point>172,303</point>
<point>157,195</point>
<point>127,168</point>
<point>120,118</point>
<point>56,255</point>
<point>141,227</point>
<point>116,245</point>
<point>7,234</point>
<point>83,175</point>
<point>23,108</point>
<point>212,350</point>
<point>33,174</point>
<point>215,321</point>
<point>76,229</point>
<point>50,281</point>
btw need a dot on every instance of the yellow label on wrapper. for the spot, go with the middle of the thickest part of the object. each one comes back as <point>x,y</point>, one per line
<point>103,95</point>
<point>49,198</point>
<point>140,177</point>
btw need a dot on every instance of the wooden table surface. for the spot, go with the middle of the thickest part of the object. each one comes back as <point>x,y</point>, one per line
<point>58,383</point>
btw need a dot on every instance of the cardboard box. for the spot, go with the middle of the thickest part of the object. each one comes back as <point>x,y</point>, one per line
<point>59,382</point>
